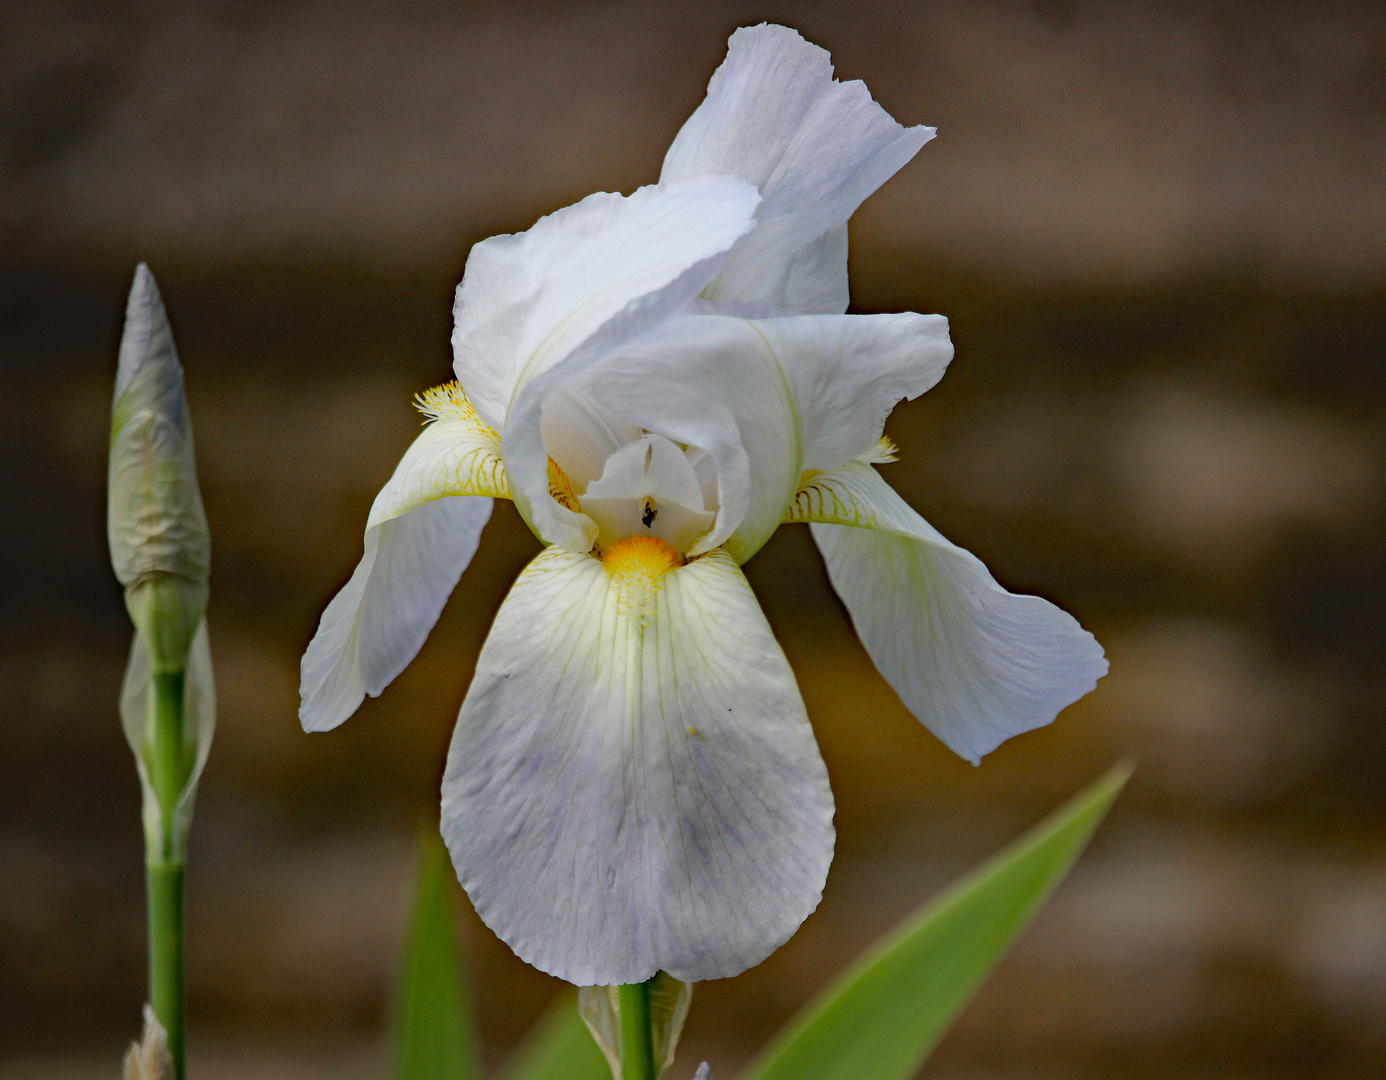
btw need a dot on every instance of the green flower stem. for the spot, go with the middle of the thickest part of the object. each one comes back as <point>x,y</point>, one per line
<point>168,770</point>
<point>166,978</point>
<point>637,1041</point>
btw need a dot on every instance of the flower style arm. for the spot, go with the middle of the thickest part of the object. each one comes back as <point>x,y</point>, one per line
<point>975,663</point>
<point>422,532</point>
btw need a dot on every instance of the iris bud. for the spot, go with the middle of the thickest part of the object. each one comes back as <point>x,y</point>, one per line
<point>156,525</point>
<point>161,553</point>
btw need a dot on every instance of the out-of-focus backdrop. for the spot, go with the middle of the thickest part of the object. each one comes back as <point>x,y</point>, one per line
<point>1159,230</point>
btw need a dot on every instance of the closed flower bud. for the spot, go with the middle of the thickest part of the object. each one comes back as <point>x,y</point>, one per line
<point>160,548</point>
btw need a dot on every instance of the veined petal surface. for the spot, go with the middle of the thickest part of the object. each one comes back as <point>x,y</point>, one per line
<point>423,530</point>
<point>769,398</point>
<point>450,457</point>
<point>975,663</point>
<point>634,791</point>
<point>536,308</point>
<point>378,622</point>
<point>815,147</point>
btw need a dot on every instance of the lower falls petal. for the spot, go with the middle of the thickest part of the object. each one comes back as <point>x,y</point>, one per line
<point>636,788</point>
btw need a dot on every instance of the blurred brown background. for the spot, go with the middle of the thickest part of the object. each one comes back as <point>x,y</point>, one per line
<point>1159,230</point>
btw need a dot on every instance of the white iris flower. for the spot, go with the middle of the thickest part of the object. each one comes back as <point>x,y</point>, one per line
<point>659,381</point>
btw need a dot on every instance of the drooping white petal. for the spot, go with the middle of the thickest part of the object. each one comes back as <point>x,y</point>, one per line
<point>815,148</point>
<point>975,663</point>
<point>422,531</point>
<point>536,308</point>
<point>769,398</point>
<point>633,791</point>
<point>378,622</point>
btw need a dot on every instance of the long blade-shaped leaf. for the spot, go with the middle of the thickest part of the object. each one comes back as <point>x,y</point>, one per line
<point>881,1018</point>
<point>558,1047</point>
<point>435,1030</point>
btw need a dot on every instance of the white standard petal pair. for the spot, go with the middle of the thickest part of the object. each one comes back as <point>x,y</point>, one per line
<point>659,381</point>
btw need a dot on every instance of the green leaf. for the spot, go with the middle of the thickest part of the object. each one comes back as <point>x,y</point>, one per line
<point>880,1019</point>
<point>435,1031</point>
<point>558,1047</point>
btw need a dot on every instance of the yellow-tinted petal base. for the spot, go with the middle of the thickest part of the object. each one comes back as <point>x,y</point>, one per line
<point>637,566</point>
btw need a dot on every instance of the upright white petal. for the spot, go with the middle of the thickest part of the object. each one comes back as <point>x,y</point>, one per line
<point>815,147</point>
<point>633,785</point>
<point>849,371</point>
<point>769,398</point>
<point>538,307</point>
<point>975,663</point>
<point>422,532</point>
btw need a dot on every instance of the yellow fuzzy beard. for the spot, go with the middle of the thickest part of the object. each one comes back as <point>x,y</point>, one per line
<point>449,402</point>
<point>637,566</point>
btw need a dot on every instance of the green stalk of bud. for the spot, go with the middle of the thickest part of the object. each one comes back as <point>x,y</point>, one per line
<point>161,553</point>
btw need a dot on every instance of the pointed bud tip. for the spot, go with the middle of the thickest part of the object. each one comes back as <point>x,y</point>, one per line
<point>146,332</point>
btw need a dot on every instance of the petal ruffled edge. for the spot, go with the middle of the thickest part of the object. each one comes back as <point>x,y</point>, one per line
<point>815,147</point>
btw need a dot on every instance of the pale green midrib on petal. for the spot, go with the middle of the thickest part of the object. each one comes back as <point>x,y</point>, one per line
<point>742,549</point>
<point>625,633</point>
<point>704,606</point>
